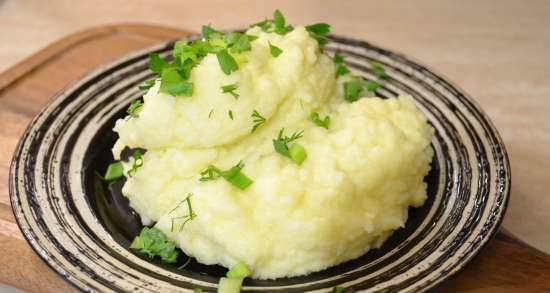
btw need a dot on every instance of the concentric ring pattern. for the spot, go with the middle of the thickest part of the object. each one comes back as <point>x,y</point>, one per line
<point>50,193</point>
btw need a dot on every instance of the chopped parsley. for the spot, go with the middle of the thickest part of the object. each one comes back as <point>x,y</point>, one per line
<point>186,218</point>
<point>152,242</point>
<point>316,118</point>
<point>372,86</point>
<point>277,24</point>
<point>341,68</point>
<point>258,120</point>
<point>147,85</point>
<point>156,63</point>
<point>319,32</point>
<point>337,289</point>
<point>137,162</point>
<point>174,84</point>
<point>231,88</point>
<point>378,70</point>
<point>296,152</point>
<point>233,175</point>
<point>114,172</point>
<point>275,51</point>
<point>352,89</point>
<point>134,108</point>
<point>208,32</point>
<point>227,62</point>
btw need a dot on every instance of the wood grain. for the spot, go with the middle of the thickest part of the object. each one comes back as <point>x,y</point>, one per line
<point>505,265</point>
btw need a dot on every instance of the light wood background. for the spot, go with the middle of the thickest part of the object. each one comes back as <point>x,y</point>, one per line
<point>498,51</point>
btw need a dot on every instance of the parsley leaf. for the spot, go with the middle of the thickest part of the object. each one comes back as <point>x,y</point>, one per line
<point>265,25</point>
<point>208,32</point>
<point>352,89</point>
<point>137,162</point>
<point>378,70</point>
<point>242,43</point>
<point>174,84</point>
<point>337,289</point>
<point>233,175</point>
<point>226,61</point>
<point>319,32</point>
<point>372,86</point>
<point>279,23</point>
<point>156,63</point>
<point>275,51</point>
<point>230,88</point>
<point>341,68</point>
<point>147,85</point>
<point>316,118</point>
<point>258,120</point>
<point>134,108</point>
<point>152,242</point>
<point>295,152</point>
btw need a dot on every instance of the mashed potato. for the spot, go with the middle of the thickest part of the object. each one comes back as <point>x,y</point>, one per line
<point>353,190</point>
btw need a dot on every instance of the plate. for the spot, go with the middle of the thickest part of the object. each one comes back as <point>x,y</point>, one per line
<point>82,229</point>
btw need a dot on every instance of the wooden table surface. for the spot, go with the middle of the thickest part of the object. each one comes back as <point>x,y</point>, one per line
<point>498,51</point>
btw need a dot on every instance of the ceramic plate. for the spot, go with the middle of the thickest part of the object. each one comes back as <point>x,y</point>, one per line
<point>82,230</point>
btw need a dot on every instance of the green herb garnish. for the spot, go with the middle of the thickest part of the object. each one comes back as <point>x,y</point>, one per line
<point>316,118</point>
<point>233,175</point>
<point>337,289</point>
<point>186,218</point>
<point>319,32</point>
<point>230,113</point>
<point>156,63</point>
<point>231,88</point>
<point>152,242</point>
<point>257,119</point>
<point>147,85</point>
<point>378,70</point>
<point>114,172</point>
<point>174,84</point>
<point>352,89</point>
<point>279,23</point>
<point>275,51</point>
<point>281,145</point>
<point>239,271</point>
<point>227,62</point>
<point>372,86</point>
<point>341,68</point>
<point>134,108</point>
<point>137,162</point>
<point>208,32</point>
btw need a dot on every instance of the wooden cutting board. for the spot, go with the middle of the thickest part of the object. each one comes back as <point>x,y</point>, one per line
<point>505,265</point>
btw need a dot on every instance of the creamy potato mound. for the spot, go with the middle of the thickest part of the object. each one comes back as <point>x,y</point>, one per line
<point>353,190</point>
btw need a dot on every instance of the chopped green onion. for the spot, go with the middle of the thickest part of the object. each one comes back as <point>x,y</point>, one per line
<point>134,108</point>
<point>275,51</point>
<point>257,119</point>
<point>316,118</point>
<point>228,285</point>
<point>297,153</point>
<point>226,61</point>
<point>235,176</point>
<point>280,144</point>
<point>231,88</point>
<point>137,162</point>
<point>114,172</point>
<point>239,271</point>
